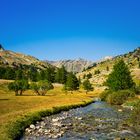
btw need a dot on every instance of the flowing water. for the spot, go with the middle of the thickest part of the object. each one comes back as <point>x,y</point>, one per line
<point>97,121</point>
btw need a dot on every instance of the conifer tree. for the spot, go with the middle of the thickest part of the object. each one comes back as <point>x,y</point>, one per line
<point>72,82</point>
<point>120,77</point>
<point>87,86</point>
<point>61,75</point>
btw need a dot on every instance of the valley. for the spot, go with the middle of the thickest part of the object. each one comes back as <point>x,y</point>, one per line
<point>67,91</point>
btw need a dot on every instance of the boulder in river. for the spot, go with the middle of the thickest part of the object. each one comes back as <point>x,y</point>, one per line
<point>32,126</point>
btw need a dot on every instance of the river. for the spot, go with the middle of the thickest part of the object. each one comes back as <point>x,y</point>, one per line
<point>97,121</point>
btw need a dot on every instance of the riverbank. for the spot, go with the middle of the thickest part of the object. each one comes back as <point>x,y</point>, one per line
<point>23,110</point>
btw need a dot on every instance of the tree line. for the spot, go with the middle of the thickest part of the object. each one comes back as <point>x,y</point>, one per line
<point>41,81</point>
<point>34,74</point>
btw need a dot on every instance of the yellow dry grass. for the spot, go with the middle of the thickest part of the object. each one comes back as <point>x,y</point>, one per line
<point>13,107</point>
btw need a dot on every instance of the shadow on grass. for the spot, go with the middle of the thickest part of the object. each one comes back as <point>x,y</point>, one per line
<point>4,99</point>
<point>38,95</point>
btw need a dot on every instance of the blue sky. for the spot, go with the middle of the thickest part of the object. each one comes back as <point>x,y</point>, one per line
<point>69,29</point>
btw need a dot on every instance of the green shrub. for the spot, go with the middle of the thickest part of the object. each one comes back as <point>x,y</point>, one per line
<point>119,97</point>
<point>104,95</point>
<point>137,90</point>
<point>116,99</point>
<point>135,118</point>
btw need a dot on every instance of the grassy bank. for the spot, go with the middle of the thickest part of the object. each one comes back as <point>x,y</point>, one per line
<point>17,112</point>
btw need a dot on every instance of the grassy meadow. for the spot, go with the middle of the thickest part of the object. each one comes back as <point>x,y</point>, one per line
<point>15,107</point>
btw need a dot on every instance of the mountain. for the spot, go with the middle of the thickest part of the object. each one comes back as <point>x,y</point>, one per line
<point>104,68</point>
<point>12,59</point>
<point>77,65</point>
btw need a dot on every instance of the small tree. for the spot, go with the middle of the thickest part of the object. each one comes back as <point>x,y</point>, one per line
<point>84,76</point>
<point>87,86</point>
<point>107,68</point>
<point>19,86</point>
<point>89,75</point>
<point>42,87</point>
<point>34,86</point>
<point>120,77</point>
<point>72,82</point>
<point>79,80</point>
<point>97,71</point>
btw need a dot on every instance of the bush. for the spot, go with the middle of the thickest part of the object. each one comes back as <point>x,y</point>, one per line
<point>134,118</point>
<point>119,97</point>
<point>116,99</point>
<point>137,90</point>
<point>89,75</point>
<point>104,95</point>
<point>97,72</point>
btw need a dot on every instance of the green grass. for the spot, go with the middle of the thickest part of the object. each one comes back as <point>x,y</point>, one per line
<point>17,112</point>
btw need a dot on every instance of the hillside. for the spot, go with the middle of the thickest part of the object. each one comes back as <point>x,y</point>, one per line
<point>76,65</point>
<point>132,59</point>
<point>12,59</point>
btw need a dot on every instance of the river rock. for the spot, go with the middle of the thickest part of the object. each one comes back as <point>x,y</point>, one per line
<point>56,130</point>
<point>32,126</point>
<point>120,110</point>
<point>117,139</point>
<point>40,130</point>
<point>28,130</point>
<point>80,118</point>
<point>37,127</point>
<point>55,120</point>
<point>57,124</point>
<point>128,107</point>
<point>126,132</point>
<point>42,123</point>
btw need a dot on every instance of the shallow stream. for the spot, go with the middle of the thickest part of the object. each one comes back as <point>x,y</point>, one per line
<point>97,121</point>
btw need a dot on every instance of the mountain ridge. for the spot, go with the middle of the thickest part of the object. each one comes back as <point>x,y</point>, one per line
<point>11,58</point>
<point>75,65</point>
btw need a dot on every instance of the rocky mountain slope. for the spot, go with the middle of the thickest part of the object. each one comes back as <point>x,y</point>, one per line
<point>132,59</point>
<point>77,65</point>
<point>10,58</point>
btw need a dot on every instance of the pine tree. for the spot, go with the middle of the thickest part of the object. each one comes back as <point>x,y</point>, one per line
<point>33,74</point>
<point>72,82</point>
<point>19,74</point>
<point>61,75</point>
<point>58,76</point>
<point>87,86</point>
<point>9,74</point>
<point>120,77</point>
